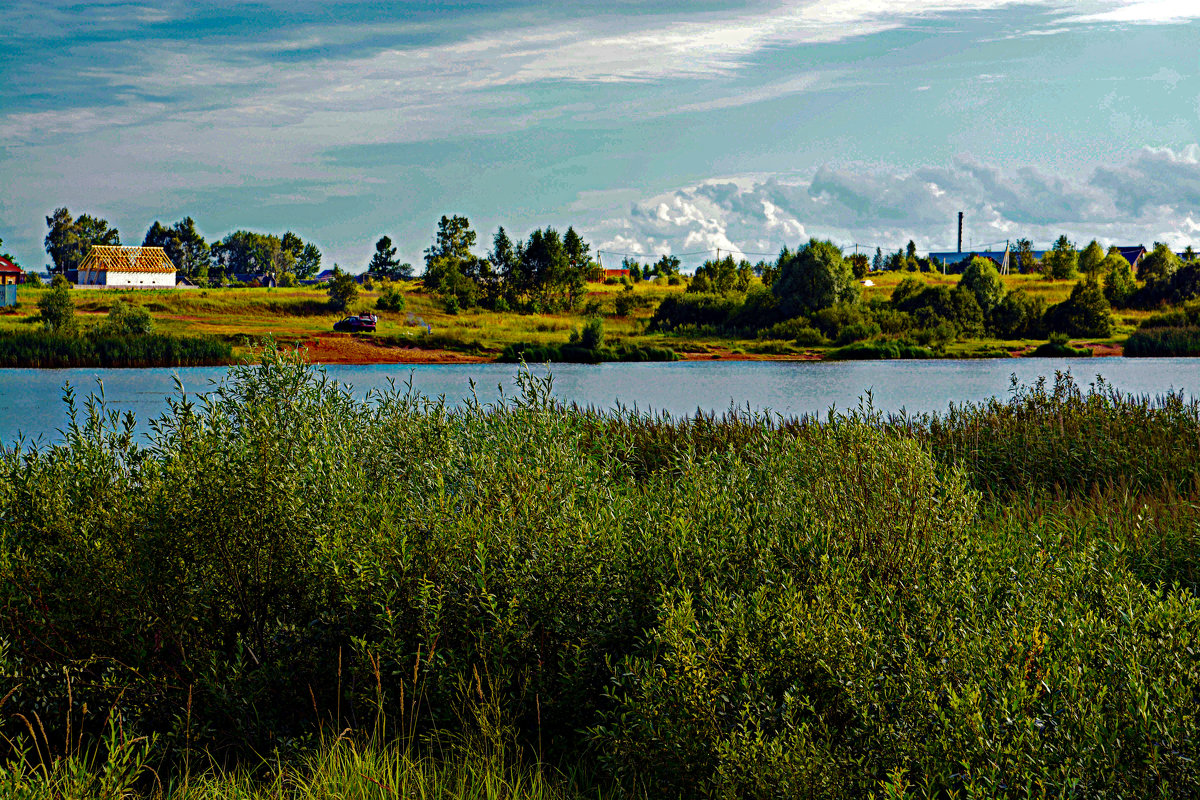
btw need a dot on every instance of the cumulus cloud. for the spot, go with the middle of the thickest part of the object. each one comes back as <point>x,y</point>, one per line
<point>1153,196</point>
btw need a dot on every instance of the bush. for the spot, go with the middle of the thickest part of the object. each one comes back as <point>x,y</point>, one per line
<point>695,310</point>
<point>343,291</point>
<point>33,280</point>
<point>624,304</point>
<point>856,332</point>
<point>57,309</point>
<point>1059,347</point>
<point>1085,313</point>
<point>288,280</point>
<point>125,319</point>
<point>592,336</point>
<point>1019,316</point>
<point>390,299</point>
<point>1157,342</point>
<point>876,351</point>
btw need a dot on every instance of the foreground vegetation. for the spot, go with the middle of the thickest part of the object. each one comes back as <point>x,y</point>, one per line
<point>997,601</point>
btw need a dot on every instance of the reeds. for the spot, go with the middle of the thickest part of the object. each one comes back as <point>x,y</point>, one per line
<point>1000,596</point>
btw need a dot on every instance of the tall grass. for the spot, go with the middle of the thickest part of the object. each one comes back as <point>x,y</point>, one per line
<point>42,349</point>
<point>996,601</point>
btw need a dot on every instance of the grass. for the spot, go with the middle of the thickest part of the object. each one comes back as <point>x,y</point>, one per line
<point>542,600</point>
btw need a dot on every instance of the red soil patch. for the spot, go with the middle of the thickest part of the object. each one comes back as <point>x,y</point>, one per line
<point>347,349</point>
<point>723,354</point>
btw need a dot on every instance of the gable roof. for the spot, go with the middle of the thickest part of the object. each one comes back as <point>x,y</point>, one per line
<point>1132,254</point>
<point>8,266</point>
<point>127,259</point>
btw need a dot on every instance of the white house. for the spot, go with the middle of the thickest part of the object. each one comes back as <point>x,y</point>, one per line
<point>127,268</point>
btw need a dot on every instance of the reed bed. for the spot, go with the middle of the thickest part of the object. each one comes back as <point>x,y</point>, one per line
<point>996,601</point>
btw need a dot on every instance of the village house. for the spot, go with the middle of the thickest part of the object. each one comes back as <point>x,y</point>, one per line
<point>126,268</point>
<point>10,273</point>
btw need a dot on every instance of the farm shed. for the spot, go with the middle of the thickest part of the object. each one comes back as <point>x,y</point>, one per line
<point>127,268</point>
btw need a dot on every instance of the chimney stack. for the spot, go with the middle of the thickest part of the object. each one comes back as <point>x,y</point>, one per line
<point>960,216</point>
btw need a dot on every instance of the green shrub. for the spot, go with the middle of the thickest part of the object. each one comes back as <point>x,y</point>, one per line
<point>1059,347</point>
<point>390,299</point>
<point>873,351</point>
<point>1157,342</point>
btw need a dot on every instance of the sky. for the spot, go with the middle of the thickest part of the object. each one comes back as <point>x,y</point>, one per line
<point>651,126</point>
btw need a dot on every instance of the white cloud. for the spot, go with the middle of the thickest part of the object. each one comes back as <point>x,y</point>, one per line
<point>1141,12</point>
<point>1151,197</point>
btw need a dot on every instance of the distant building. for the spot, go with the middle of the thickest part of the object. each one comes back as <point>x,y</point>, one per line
<point>325,276</point>
<point>126,268</point>
<point>1005,260</point>
<point>1133,255</point>
<point>10,273</point>
<point>255,281</point>
<point>616,273</point>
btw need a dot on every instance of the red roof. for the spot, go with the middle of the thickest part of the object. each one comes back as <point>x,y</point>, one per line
<point>8,266</point>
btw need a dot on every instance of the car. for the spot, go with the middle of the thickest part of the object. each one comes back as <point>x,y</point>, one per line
<point>363,323</point>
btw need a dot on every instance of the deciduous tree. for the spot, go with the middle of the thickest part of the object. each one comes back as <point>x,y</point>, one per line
<point>1062,261</point>
<point>812,278</point>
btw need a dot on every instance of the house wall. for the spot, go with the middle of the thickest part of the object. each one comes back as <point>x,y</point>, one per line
<point>157,280</point>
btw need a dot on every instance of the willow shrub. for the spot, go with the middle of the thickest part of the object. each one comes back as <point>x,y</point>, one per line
<point>716,606</point>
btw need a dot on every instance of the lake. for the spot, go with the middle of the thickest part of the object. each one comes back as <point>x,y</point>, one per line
<point>31,399</point>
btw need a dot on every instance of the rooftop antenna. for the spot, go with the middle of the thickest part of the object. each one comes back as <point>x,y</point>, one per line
<point>960,217</point>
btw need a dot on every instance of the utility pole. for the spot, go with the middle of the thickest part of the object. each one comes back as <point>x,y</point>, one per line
<point>960,219</point>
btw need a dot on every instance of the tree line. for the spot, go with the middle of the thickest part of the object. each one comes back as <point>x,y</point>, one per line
<point>812,296</point>
<point>288,257</point>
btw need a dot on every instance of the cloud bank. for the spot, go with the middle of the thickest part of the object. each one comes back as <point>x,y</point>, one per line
<point>1154,196</point>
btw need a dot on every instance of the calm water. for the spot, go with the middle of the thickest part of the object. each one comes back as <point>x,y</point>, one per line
<point>31,400</point>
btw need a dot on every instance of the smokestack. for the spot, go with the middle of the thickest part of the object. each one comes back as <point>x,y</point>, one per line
<point>960,216</point>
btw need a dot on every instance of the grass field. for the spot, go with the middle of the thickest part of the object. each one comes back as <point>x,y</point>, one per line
<point>302,314</point>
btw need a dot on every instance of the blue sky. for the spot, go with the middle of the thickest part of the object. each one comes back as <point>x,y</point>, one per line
<point>653,126</point>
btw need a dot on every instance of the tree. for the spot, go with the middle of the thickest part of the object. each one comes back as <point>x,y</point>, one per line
<point>506,265</point>
<point>69,240</point>
<point>877,262</point>
<point>666,266</point>
<point>580,263</point>
<point>58,311</point>
<point>246,252</point>
<point>1188,255</point>
<point>342,290</point>
<point>1026,263</point>
<point>1061,262</point>
<point>308,262</point>
<point>910,252</point>
<point>1119,285</point>
<point>184,245</point>
<point>982,279</point>
<point>859,265</point>
<point>1158,265</point>
<point>545,267</point>
<point>451,268</point>
<point>812,278</point>
<point>1085,313</point>
<point>1090,258</point>
<point>1019,316</point>
<point>384,263</point>
<point>715,276</point>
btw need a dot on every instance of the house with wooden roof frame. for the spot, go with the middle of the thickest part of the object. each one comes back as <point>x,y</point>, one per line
<point>127,268</point>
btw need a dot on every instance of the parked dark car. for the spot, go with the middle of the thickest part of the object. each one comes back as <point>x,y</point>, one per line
<point>363,323</point>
